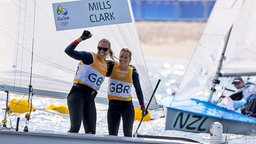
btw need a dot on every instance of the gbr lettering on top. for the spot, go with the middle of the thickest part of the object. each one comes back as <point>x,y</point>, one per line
<point>94,78</point>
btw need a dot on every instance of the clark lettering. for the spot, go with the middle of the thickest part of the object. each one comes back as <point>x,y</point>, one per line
<point>95,79</point>
<point>99,5</point>
<point>119,88</point>
<point>102,17</point>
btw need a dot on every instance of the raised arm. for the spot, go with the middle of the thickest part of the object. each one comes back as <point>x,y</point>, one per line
<point>86,57</point>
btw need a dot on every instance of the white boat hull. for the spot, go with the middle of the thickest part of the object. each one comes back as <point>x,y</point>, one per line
<point>197,116</point>
<point>14,137</point>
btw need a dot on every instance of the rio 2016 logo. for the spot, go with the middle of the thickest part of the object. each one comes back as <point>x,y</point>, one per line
<point>61,10</point>
<point>63,17</point>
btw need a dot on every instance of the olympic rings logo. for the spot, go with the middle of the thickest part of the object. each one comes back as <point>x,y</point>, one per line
<point>122,75</point>
<point>64,23</point>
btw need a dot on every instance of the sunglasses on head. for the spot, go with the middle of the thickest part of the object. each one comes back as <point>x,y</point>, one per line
<point>102,48</point>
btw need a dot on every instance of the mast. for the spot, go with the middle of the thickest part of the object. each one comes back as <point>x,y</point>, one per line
<point>30,88</point>
<point>218,74</point>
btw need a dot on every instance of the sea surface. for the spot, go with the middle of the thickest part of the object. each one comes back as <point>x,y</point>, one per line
<point>169,71</point>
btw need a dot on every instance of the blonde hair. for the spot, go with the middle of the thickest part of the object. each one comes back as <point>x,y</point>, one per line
<point>111,53</point>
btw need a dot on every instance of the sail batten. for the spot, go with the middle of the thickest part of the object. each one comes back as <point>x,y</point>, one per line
<point>238,74</point>
<point>44,93</point>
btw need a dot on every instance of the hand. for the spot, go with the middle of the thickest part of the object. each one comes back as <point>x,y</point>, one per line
<point>144,111</point>
<point>86,34</point>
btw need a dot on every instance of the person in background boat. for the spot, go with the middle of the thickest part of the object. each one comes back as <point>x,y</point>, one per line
<point>90,74</point>
<point>247,93</point>
<point>121,79</point>
<point>226,102</point>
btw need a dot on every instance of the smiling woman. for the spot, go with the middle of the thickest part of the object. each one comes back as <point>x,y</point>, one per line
<point>122,78</point>
<point>90,74</point>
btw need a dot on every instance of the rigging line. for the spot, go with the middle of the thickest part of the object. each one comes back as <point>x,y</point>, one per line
<point>57,66</point>
<point>23,39</point>
<point>27,116</point>
<point>17,45</point>
<point>17,41</point>
<point>32,59</point>
<point>222,92</point>
<point>51,20</point>
<point>39,109</point>
<point>54,64</point>
<point>22,45</point>
<point>25,74</point>
<point>12,38</point>
<point>17,104</point>
<point>18,35</point>
<point>130,28</point>
<point>43,59</point>
<point>32,52</point>
<point>52,112</point>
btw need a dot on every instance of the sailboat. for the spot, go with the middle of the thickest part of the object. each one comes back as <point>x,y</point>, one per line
<point>33,64</point>
<point>32,47</point>
<point>225,50</point>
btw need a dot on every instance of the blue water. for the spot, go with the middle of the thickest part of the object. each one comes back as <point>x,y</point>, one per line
<point>170,72</point>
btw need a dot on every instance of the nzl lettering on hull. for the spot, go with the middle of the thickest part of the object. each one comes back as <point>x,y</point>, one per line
<point>187,122</point>
<point>90,13</point>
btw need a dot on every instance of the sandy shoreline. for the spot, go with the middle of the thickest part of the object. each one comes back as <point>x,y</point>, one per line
<point>169,39</point>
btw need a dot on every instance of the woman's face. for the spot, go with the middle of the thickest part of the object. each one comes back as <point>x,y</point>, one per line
<point>124,59</point>
<point>239,85</point>
<point>103,49</point>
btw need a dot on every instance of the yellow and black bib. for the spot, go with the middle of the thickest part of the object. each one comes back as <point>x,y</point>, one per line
<point>120,84</point>
<point>91,75</point>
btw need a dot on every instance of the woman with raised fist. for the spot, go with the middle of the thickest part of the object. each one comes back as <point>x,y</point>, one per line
<point>90,74</point>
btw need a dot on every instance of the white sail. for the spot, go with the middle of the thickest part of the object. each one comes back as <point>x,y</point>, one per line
<point>226,49</point>
<point>28,26</point>
<point>199,74</point>
<point>241,49</point>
